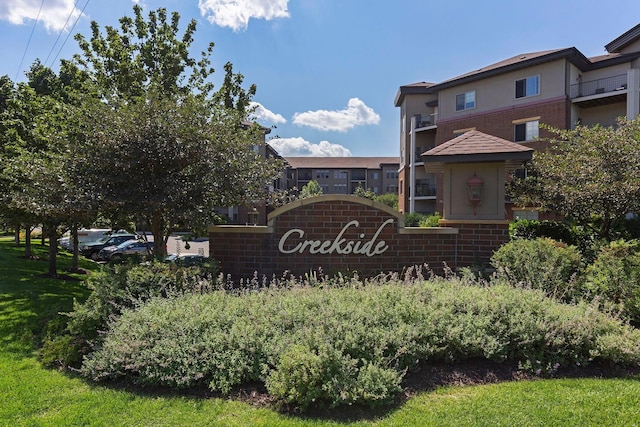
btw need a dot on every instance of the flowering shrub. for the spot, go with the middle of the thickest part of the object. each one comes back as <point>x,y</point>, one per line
<point>352,343</point>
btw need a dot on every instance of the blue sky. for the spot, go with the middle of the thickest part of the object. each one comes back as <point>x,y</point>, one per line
<point>327,71</point>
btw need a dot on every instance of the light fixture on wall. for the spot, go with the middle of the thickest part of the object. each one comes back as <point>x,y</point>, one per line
<point>474,191</point>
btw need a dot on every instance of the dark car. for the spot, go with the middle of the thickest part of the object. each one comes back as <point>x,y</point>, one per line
<point>130,248</point>
<point>92,249</point>
<point>186,260</point>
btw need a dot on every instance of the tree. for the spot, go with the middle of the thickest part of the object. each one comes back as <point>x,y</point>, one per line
<point>165,148</point>
<point>589,174</point>
<point>361,192</point>
<point>310,189</point>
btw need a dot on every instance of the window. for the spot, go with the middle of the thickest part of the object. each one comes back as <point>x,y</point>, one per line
<point>322,174</point>
<point>340,188</point>
<point>392,175</point>
<point>526,131</point>
<point>528,87</point>
<point>374,175</point>
<point>466,101</point>
<point>339,174</point>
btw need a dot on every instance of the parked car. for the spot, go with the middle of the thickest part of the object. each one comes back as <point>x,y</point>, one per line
<point>186,260</point>
<point>92,249</point>
<point>84,235</point>
<point>117,253</point>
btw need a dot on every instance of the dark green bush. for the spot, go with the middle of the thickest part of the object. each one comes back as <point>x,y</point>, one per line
<point>342,345</point>
<point>532,229</point>
<point>413,219</point>
<point>614,278</point>
<point>539,264</point>
<point>416,219</point>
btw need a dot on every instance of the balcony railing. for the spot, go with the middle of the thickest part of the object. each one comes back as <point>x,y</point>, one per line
<point>596,87</point>
<point>425,191</point>
<point>425,120</point>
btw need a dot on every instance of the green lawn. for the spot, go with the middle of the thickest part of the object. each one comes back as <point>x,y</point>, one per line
<point>31,395</point>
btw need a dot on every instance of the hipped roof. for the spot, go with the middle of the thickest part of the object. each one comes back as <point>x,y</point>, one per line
<point>475,146</point>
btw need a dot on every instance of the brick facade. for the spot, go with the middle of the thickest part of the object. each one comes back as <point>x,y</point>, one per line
<point>554,113</point>
<point>243,251</point>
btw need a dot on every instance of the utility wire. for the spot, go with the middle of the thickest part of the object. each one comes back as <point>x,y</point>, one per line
<point>29,41</point>
<point>60,33</point>
<point>70,31</point>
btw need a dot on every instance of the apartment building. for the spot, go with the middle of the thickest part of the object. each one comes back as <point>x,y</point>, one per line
<point>511,99</point>
<point>342,175</point>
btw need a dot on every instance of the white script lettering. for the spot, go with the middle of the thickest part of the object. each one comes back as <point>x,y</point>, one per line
<point>339,245</point>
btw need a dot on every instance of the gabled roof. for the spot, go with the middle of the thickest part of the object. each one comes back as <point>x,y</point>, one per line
<point>341,162</point>
<point>623,40</point>
<point>475,146</point>
<point>517,62</point>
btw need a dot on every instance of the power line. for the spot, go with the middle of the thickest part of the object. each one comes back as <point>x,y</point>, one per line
<point>70,31</point>
<point>61,31</point>
<point>29,41</point>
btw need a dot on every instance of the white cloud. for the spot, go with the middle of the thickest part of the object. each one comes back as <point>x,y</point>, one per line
<point>54,13</point>
<point>262,113</point>
<point>299,147</point>
<point>235,14</point>
<point>356,114</point>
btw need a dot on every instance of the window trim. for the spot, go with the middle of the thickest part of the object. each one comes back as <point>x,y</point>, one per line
<point>526,85</point>
<point>525,122</point>
<point>465,100</point>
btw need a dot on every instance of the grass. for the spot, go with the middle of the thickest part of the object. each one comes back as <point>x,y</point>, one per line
<point>31,395</point>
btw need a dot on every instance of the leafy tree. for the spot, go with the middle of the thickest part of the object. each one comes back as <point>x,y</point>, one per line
<point>588,174</point>
<point>38,129</point>
<point>165,148</point>
<point>310,189</point>
<point>389,199</point>
<point>361,192</point>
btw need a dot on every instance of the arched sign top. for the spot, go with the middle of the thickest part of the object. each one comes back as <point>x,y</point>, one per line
<point>335,197</point>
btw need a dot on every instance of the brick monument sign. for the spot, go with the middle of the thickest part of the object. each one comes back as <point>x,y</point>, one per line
<point>340,233</point>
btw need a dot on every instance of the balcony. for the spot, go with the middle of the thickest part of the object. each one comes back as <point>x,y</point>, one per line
<point>425,191</point>
<point>609,85</point>
<point>426,120</point>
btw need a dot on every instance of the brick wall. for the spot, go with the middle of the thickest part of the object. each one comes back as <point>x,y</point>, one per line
<point>243,251</point>
<point>499,123</point>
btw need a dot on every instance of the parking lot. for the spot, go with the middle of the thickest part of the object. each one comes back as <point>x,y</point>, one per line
<point>175,245</point>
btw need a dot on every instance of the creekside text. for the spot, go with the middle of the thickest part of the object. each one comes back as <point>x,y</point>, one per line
<point>339,245</point>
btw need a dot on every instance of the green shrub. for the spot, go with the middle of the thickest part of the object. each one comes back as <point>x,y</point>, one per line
<point>431,221</point>
<point>539,264</point>
<point>532,229</point>
<point>112,290</point>
<point>331,346</point>
<point>416,219</point>
<point>614,278</point>
<point>413,219</point>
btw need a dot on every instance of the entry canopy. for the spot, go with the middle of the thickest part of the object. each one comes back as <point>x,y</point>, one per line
<point>475,147</point>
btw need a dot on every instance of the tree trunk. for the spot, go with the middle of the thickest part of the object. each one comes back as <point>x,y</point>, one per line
<point>27,242</point>
<point>74,239</point>
<point>53,252</point>
<point>157,229</point>
<point>16,236</point>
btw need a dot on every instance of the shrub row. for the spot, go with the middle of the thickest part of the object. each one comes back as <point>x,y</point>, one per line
<point>352,344</point>
<point>114,289</point>
<point>612,279</point>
